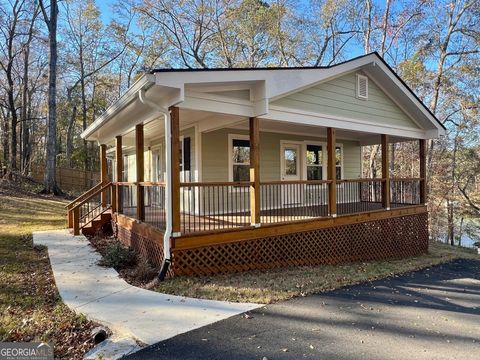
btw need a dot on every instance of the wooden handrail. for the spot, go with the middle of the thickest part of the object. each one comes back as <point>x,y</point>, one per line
<point>103,188</point>
<point>83,196</point>
<point>406,179</point>
<point>202,184</point>
<point>141,183</point>
<point>73,209</point>
<point>360,180</point>
<point>151,183</point>
<point>286,182</point>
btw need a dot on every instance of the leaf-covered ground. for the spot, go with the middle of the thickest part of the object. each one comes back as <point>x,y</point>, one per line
<point>281,284</point>
<point>30,307</point>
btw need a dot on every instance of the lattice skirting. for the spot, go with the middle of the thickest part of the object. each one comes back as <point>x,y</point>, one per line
<point>149,249</point>
<point>397,237</point>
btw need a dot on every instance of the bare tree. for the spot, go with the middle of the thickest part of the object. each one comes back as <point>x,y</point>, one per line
<point>50,181</point>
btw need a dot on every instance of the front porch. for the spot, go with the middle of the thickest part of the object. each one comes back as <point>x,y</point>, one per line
<point>202,211</point>
<point>225,226</point>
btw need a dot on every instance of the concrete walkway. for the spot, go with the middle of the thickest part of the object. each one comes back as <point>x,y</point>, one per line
<point>129,311</point>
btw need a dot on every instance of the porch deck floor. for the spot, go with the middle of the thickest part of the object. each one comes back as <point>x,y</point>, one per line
<point>155,216</point>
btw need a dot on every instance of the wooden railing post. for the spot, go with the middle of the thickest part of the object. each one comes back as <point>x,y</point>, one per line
<point>113,198</point>
<point>331,172</point>
<point>254,126</point>
<point>139,152</point>
<point>76,221</point>
<point>119,172</point>
<point>103,171</point>
<point>385,173</point>
<point>70,218</point>
<point>175,136</point>
<point>423,171</point>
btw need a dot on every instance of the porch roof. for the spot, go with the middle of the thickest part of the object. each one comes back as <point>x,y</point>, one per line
<point>203,90</point>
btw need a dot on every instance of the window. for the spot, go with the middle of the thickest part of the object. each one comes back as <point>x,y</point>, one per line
<point>314,162</point>
<point>338,162</point>
<point>157,173</point>
<point>125,168</point>
<point>240,159</point>
<point>185,162</point>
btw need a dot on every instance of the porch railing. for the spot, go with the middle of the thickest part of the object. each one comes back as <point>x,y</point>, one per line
<point>90,206</point>
<point>404,191</point>
<point>214,206</point>
<point>283,201</point>
<point>358,195</point>
<point>128,199</point>
<point>154,201</point>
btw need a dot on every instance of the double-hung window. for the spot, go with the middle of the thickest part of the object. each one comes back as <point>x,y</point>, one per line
<point>338,162</point>
<point>314,162</point>
<point>240,159</point>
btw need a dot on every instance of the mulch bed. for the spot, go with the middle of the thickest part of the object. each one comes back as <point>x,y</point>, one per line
<point>139,274</point>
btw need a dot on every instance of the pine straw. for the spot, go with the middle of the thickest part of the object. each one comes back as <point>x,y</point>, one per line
<point>270,286</point>
<point>30,306</point>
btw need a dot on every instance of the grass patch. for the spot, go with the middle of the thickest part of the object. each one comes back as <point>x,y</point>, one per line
<point>30,307</point>
<point>281,284</point>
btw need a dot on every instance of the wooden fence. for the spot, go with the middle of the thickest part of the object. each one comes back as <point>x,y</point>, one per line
<point>73,180</point>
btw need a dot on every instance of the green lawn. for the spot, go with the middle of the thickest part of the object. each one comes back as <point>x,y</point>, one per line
<point>281,284</point>
<point>30,307</point>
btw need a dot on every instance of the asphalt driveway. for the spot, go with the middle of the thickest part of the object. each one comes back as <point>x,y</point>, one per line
<point>429,314</point>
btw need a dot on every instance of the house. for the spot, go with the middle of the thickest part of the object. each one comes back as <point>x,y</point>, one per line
<point>223,170</point>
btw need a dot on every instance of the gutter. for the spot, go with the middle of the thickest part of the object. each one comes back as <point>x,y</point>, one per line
<point>168,181</point>
<point>144,82</point>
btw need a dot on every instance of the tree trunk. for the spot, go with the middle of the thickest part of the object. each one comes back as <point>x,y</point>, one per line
<point>451,227</point>
<point>368,29</point>
<point>372,164</point>
<point>50,181</point>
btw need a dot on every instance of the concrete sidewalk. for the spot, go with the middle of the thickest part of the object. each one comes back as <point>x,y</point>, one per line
<point>128,311</point>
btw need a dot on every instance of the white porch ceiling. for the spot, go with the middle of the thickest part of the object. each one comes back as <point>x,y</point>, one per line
<point>209,121</point>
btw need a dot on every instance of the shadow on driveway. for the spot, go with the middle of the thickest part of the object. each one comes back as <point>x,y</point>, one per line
<point>428,314</point>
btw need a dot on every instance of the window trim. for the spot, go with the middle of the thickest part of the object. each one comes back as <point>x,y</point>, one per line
<point>301,160</point>
<point>342,169</point>
<point>232,137</point>
<point>323,144</point>
<point>325,158</point>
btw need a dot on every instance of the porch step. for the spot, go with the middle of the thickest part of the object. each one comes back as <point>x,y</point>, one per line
<point>99,222</point>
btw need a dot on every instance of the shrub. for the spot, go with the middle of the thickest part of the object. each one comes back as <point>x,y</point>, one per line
<point>118,256</point>
<point>144,271</point>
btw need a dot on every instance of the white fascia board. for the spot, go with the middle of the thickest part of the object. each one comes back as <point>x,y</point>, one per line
<point>278,113</point>
<point>144,82</point>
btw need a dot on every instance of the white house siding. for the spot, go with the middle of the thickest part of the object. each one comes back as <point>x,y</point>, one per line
<point>337,97</point>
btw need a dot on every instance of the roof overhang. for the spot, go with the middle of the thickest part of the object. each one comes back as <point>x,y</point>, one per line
<point>193,90</point>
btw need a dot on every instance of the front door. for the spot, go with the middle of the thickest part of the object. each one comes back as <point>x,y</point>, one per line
<point>292,193</point>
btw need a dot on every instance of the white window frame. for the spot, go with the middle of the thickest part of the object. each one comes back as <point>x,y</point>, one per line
<point>182,162</point>
<point>301,160</point>
<point>323,144</point>
<point>157,150</point>
<point>232,137</point>
<point>342,169</point>
<point>325,158</point>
